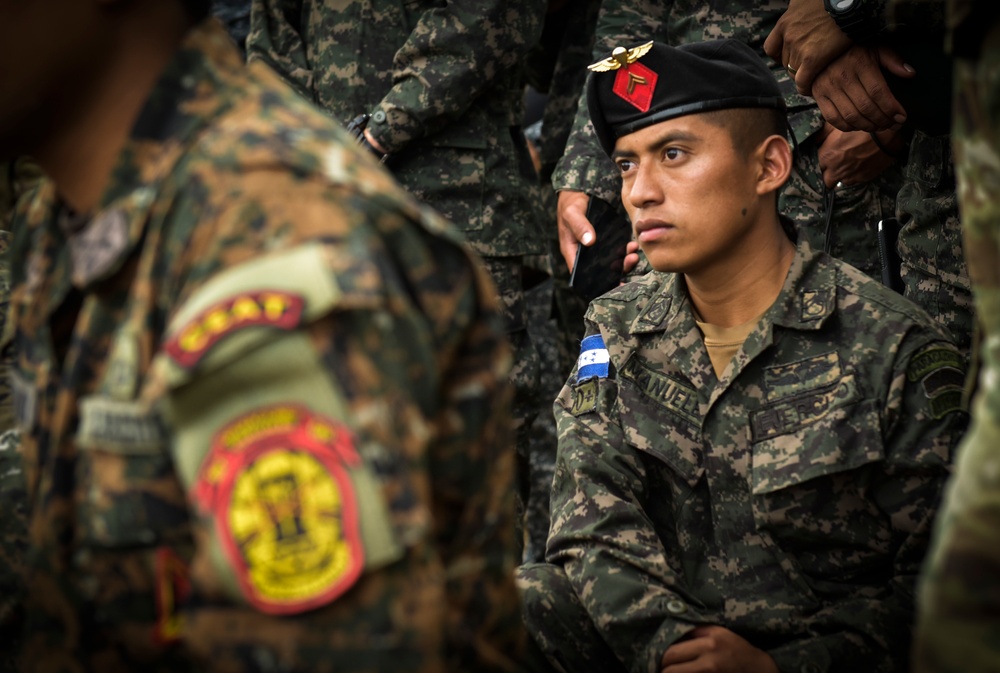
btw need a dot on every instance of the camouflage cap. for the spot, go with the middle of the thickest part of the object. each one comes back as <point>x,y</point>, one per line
<point>635,88</point>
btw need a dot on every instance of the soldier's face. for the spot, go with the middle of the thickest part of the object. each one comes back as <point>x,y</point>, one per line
<point>690,195</point>
<point>45,47</point>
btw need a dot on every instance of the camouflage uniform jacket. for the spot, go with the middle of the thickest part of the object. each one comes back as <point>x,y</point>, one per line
<point>443,84</point>
<point>789,502</point>
<point>263,401</point>
<point>584,166</point>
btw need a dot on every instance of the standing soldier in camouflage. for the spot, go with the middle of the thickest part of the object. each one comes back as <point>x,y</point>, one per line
<point>754,440</point>
<point>262,392</point>
<point>433,88</point>
<point>846,55</point>
<point>958,629</point>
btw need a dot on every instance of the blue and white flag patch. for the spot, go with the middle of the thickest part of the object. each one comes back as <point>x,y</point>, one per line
<point>594,358</point>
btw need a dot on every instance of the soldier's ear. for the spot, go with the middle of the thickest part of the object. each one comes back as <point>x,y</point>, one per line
<point>773,160</point>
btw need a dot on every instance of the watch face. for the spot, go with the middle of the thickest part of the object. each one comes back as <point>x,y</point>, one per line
<point>842,5</point>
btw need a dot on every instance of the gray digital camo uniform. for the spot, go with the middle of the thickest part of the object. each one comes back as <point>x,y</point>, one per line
<point>443,84</point>
<point>958,630</point>
<point>790,502</point>
<point>629,22</point>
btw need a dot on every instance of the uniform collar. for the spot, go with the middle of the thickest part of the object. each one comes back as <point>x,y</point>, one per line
<point>807,298</point>
<point>191,91</point>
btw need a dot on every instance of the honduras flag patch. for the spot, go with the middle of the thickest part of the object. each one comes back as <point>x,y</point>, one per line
<point>594,358</point>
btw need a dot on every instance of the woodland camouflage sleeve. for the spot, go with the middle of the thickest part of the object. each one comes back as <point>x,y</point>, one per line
<point>275,38</point>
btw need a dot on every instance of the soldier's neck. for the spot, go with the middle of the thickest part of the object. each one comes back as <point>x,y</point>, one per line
<point>96,114</point>
<point>743,287</point>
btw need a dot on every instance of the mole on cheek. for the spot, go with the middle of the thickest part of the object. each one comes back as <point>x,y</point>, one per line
<point>744,212</point>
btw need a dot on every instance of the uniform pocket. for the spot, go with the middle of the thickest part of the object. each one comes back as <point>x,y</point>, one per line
<point>449,174</point>
<point>813,461</point>
<point>129,491</point>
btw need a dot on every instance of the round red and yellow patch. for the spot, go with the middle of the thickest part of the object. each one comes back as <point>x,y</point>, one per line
<point>278,484</point>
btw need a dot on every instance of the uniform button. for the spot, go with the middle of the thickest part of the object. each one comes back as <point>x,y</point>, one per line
<point>379,117</point>
<point>676,607</point>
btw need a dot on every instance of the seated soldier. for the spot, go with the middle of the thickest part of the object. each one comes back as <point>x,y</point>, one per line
<point>752,446</point>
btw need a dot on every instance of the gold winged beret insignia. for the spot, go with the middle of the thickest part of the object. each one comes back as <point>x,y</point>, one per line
<point>621,57</point>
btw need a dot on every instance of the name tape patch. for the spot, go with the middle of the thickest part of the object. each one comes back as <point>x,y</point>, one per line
<point>671,393</point>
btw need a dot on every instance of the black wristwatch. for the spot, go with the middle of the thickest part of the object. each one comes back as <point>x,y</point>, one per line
<point>860,20</point>
<point>356,127</point>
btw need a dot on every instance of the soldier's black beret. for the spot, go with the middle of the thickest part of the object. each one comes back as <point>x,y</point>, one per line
<point>651,83</point>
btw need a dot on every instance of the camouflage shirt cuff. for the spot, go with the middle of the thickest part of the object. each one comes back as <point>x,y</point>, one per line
<point>670,632</point>
<point>393,127</point>
<point>587,174</point>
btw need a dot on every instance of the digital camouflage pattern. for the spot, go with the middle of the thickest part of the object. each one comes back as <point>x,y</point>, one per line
<point>263,404</point>
<point>443,82</point>
<point>958,627</point>
<point>934,270</point>
<point>857,209</point>
<point>791,501</point>
<point>557,66</point>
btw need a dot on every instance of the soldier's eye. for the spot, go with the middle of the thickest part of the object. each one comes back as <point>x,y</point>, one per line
<point>672,153</point>
<point>625,165</point>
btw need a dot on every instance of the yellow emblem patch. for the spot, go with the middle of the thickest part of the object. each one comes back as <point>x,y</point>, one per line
<point>277,482</point>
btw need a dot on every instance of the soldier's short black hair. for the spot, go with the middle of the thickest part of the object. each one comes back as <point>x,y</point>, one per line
<point>749,127</point>
<point>197,9</point>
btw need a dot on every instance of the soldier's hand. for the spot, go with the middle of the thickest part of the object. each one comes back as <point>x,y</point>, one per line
<point>852,92</point>
<point>714,649</point>
<point>851,157</point>
<point>574,227</point>
<point>805,40</point>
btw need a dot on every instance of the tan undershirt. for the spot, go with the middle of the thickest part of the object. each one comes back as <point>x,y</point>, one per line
<point>723,343</point>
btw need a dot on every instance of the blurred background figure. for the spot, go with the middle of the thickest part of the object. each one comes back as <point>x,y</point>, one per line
<point>958,630</point>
